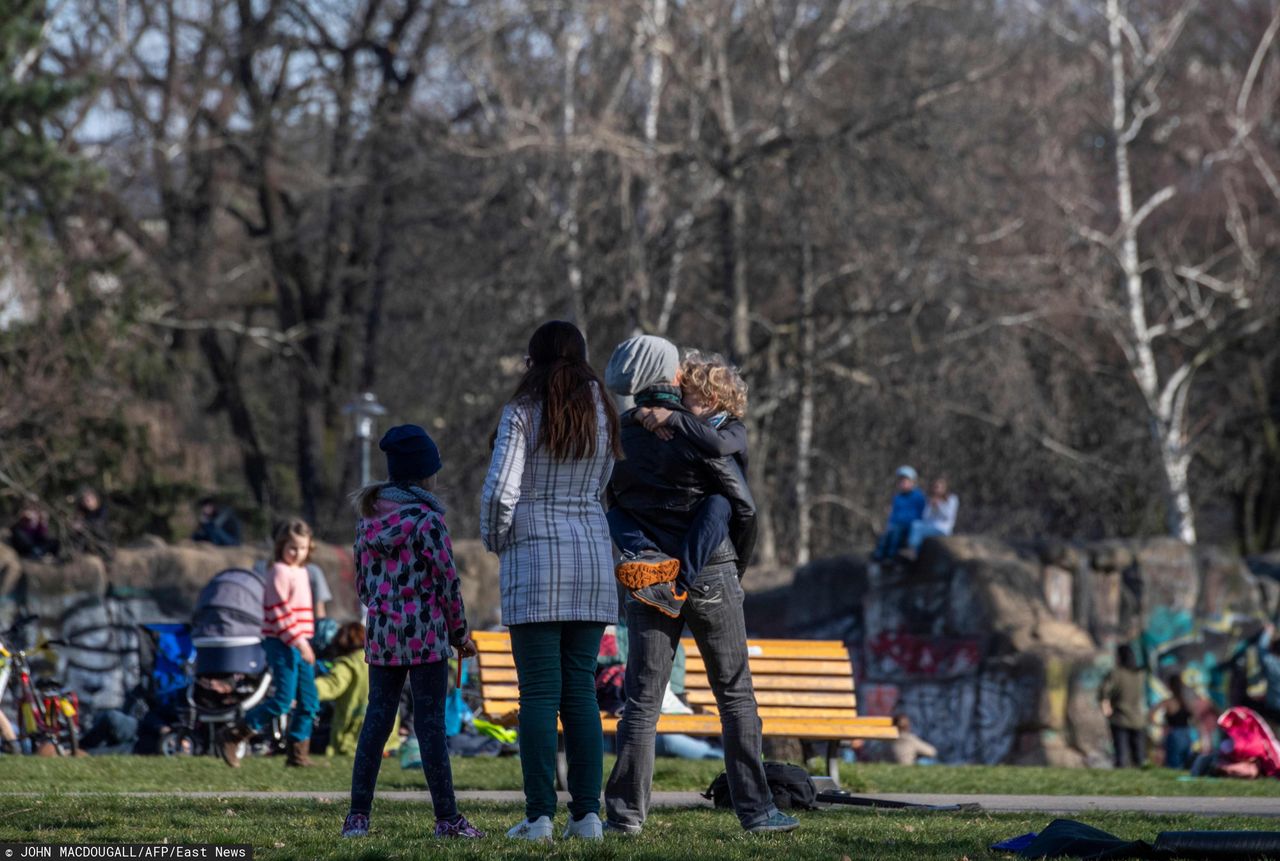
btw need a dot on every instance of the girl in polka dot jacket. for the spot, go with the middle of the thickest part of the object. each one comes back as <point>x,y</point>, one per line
<point>406,577</point>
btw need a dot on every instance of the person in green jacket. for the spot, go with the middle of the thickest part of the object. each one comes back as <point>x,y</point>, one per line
<point>1123,696</point>
<point>346,685</point>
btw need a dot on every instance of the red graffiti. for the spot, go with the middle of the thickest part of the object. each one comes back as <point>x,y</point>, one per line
<point>895,652</point>
<point>877,699</point>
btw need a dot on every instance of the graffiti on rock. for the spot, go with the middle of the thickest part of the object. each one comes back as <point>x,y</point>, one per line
<point>878,699</point>
<point>898,655</point>
<point>102,659</point>
<point>969,720</point>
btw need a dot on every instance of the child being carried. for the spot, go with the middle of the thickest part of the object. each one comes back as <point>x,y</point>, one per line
<point>715,395</point>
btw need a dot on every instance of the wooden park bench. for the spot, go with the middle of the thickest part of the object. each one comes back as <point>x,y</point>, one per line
<point>804,689</point>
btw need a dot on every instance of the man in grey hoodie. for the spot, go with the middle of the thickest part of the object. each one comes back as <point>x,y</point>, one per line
<point>659,485</point>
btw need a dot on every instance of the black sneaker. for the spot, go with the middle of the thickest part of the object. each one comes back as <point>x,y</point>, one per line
<point>636,571</point>
<point>666,598</point>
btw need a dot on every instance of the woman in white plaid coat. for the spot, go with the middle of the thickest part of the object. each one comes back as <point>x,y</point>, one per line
<point>541,513</point>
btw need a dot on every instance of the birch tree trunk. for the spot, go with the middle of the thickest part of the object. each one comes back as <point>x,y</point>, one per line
<point>1166,404</point>
<point>569,226</point>
<point>654,30</point>
<point>804,419</point>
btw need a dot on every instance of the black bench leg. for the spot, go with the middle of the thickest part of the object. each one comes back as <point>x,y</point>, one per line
<point>562,765</point>
<point>833,761</point>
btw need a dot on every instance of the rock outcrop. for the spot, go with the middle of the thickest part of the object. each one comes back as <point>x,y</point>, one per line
<point>97,605</point>
<point>997,652</point>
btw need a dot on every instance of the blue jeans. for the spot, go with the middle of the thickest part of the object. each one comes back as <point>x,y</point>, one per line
<point>113,731</point>
<point>293,680</point>
<point>920,530</point>
<point>891,540</point>
<point>714,616</point>
<point>685,747</point>
<point>429,684</point>
<point>708,528</point>
<point>1177,747</point>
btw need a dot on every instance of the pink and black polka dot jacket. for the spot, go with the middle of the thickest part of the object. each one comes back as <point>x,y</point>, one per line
<point>406,578</point>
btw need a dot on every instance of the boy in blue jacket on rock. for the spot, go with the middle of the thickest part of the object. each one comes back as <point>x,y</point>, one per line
<point>908,507</point>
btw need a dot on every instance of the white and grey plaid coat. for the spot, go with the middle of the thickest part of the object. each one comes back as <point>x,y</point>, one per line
<point>545,520</point>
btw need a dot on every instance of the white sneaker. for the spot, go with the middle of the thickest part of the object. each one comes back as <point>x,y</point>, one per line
<point>588,827</point>
<point>538,829</point>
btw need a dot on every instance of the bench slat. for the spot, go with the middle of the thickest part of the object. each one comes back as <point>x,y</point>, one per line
<point>790,727</point>
<point>698,696</point>
<point>810,728</point>
<point>697,681</point>
<point>781,698</point>
<point>802,712</point>
<point>807,650</point>
<point>764,666</point>
<point>498,708</point>
<point>494,659</point>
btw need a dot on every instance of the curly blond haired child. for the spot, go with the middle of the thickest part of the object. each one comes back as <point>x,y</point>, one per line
<point>714,397</point>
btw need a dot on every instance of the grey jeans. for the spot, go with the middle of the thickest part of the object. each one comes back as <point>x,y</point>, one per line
<point>713,613</point>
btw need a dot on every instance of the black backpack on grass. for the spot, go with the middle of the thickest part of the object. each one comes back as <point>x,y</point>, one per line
<point>791,786</point>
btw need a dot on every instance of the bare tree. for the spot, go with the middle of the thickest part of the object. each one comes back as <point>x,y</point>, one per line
<point>1198,312</point>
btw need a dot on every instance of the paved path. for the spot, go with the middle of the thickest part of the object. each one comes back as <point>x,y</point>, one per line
<point>1046,804</point>
<point>1073,804</point>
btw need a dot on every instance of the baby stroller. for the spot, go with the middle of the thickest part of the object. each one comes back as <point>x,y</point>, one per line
<point>231,674</point>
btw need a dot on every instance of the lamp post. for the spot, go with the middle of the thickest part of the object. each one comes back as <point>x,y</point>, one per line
<point>364,409</point>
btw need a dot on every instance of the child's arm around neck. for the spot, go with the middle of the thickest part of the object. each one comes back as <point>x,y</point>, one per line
<point>727,440</point>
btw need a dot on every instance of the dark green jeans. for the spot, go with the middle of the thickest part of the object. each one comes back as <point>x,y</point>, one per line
<point>556,665</point>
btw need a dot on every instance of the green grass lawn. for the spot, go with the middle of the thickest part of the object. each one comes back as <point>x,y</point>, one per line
<point>401,830</point>
<point>38,804</point>
<point>142,774</point>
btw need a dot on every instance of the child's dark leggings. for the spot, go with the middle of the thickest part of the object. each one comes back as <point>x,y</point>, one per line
<point>708,528</point>
<point>429,684</point>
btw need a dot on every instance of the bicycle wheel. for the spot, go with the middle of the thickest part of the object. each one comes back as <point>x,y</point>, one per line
<point>72,736</point>
<point>66,732</point>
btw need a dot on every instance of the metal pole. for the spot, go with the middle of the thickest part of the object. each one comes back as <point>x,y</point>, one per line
<point>364,408</point>
<point>365,425</point>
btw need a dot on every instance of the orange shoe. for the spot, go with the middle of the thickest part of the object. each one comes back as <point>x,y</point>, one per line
<point>646,568</point>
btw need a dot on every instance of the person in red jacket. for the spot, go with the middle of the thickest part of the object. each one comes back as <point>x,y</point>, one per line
<point>287,625</point>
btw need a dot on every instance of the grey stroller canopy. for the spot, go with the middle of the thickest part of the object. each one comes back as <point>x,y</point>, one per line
<point>230,606</point>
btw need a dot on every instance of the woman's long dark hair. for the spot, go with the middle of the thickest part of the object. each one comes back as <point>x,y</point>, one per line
<point>560,380</point>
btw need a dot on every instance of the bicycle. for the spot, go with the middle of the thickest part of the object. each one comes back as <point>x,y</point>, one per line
<point>48,714</point>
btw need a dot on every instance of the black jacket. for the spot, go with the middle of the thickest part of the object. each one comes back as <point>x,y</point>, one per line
<point>728,439</point>
<point>660,483</point>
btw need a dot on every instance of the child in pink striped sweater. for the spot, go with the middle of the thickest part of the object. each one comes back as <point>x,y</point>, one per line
<point>286,626</point>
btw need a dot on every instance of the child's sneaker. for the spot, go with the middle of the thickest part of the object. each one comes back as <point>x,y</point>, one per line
<point>666,598</point>
<point>356,825</point>
<point>458,826</point>
<point>637,570</point>
<point>588,827</point>
<point>537,829</point>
